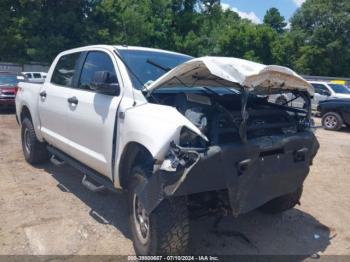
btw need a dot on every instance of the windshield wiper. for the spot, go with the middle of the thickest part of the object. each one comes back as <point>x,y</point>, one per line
<point>166,69</point>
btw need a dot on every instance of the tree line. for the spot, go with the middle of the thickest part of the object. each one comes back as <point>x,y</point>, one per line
<point>316,41</point>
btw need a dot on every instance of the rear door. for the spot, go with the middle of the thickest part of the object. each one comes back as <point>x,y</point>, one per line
<point>92,116</point>
<point>52,101</point>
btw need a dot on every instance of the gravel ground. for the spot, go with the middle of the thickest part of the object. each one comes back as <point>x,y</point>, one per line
<point>46,210</point>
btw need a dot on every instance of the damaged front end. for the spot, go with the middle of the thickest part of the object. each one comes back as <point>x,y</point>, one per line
<point>249,148</point>
<point>252,173</point>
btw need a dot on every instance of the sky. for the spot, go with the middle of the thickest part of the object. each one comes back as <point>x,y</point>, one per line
<point>256,9</point>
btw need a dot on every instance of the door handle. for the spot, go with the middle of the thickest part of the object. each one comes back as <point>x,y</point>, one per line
<point>43,94</point>
<point>73,100</point>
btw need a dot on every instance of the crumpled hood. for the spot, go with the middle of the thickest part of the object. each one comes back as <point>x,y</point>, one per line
<point>226,71</point>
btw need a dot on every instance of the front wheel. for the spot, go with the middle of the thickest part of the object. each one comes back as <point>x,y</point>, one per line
<point>332,121</point>
<point>282,203</point>
<point>34,151</point>
<point>165,231</point>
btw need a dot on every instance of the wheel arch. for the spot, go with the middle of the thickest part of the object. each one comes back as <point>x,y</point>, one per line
<point>25,113</point>
<point>134,153</point>
<point>326,111</point>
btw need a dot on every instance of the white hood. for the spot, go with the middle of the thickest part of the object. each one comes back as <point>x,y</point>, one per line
<point>225,71</point>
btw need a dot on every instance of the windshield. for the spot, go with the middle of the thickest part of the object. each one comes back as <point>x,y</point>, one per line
<point>8,80</point>
<point>150,65</point>
<point>339,89</point>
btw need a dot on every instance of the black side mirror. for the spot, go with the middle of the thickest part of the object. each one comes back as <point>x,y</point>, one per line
<point>105,82</point>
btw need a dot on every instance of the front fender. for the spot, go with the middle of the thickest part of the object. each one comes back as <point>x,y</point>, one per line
<point>154,127</point>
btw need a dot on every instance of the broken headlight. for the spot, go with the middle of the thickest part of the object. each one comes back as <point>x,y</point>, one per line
<point>180,157</point>
<point>188,138</point>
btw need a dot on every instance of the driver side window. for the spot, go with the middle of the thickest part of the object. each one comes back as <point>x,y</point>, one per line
<point>96,61</point>
<point>320,89</point>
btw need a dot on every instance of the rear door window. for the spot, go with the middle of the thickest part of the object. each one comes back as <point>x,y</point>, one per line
<point>37,75</point>
<point>65,69</point>
<point>94,62</point>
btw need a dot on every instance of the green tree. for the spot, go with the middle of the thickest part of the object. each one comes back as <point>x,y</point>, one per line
<point>325,29</point>
<point>274,19</point>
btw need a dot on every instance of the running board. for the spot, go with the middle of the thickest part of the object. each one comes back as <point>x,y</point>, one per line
<point>88,172</point>
<point>57,162</point>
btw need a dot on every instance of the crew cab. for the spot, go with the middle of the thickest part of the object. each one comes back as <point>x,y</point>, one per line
<point>177,133</point>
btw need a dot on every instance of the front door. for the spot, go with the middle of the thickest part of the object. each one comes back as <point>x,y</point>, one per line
<point>92,116</point>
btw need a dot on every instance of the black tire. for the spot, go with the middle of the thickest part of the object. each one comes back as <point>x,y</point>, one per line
<point>282,203</point>
<point>281,101</point>
<point>332,121</point>
<point>34,151</point>
<point>168,232</point>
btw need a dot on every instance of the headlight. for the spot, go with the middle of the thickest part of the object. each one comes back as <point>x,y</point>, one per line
<point>188,138</point>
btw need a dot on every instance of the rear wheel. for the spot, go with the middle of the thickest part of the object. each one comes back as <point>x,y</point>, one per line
<point>165,231</point>
<point>332,121</point>
<point>282,203</point>
<point>34,151</point>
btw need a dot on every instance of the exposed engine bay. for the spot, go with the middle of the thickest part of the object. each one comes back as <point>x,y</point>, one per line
<point>218,114</point>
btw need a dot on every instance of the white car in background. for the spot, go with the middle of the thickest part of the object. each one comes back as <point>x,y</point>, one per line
<point>37,77</point>
<point>323,91</point>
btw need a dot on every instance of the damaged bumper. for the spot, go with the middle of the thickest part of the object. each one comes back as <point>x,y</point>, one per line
<point>253,173</point>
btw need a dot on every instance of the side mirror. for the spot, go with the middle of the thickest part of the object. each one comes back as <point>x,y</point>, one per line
<point>105,82</point>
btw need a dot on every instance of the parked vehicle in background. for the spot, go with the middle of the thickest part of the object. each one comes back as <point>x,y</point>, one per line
<point>38,77</point>
<point>335,113</point>
<point>177,133</point>
<point>323,91</point>
<point>8,87</point>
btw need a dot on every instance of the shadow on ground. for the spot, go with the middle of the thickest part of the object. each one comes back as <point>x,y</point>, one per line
<point>293,232</point>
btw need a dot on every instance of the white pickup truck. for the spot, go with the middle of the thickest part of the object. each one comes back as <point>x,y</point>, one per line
<point>179,134</point>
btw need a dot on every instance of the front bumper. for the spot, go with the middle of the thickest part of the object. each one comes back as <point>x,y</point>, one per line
<point>253,173</point>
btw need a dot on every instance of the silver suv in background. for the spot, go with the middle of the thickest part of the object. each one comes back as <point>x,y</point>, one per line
<point>323,91</point>
<point>37,77</point>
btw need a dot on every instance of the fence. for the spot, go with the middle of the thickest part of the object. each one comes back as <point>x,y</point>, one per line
<point>30,67</point>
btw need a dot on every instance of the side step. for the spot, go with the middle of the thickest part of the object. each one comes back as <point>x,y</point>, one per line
<point>91,186</point>
<point>102,181</point>
<point>57,162</point>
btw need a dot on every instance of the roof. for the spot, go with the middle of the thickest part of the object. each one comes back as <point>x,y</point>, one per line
<point>118,47</point>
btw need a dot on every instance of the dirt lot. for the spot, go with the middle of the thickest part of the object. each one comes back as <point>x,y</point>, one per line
<point>46,210</point>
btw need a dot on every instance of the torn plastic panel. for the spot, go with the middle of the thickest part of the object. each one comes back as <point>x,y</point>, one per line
<point>253,173</point>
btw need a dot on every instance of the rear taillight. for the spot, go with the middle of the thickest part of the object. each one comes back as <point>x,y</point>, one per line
<point>16,89</point>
